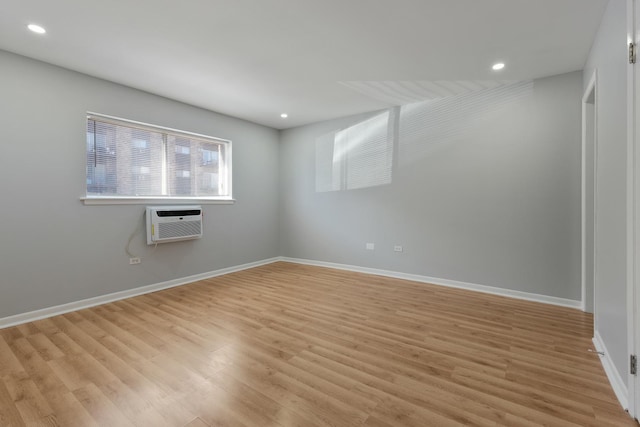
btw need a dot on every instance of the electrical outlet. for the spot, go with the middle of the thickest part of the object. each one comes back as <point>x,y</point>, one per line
<point>370,246</point>
<point>135,260</point>
<point>397,248</point>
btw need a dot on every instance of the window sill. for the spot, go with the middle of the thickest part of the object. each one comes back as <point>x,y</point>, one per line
<point>154,200</point>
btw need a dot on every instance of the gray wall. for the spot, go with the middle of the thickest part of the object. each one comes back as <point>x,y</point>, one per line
<point>485,189</point>
<point>608,56</point>
<point>55,250</point>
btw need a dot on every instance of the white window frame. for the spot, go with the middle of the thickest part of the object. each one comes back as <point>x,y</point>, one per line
<point>143,200</point>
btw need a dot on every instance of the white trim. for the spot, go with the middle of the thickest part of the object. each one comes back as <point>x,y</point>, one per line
<point>619,386</point>
<point>563,302</point>
<point>105,200</point>
<point>633,214</point>
<point>591,88</point>
<point>116,296</point>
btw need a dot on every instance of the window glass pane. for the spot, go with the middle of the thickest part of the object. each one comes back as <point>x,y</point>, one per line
<point>123,160</point>
<point>145,161</point>
<point>210,169</point>
<point>194,167</point>
<point>179,163</point>
<point>101,159</point>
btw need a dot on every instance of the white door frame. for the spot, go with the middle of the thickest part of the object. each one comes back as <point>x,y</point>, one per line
<point>590,91</point>
<point>633,209</point>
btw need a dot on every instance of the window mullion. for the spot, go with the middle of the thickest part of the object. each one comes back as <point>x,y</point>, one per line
<point>164,164</point>
<point>221,167</point>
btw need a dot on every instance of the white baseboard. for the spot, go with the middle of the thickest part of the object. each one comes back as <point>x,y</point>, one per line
<point>103,299</point>
<point>116,296</point>
<point>563,302</point>
<point>618,385</point>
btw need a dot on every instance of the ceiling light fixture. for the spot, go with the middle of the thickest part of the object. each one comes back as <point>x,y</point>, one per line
<point>498,66</point>
<point>36,28</point>
<point>284,115</point>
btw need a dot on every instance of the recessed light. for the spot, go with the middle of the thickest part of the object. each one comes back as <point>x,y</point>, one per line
<point>284,115</point>
<point>498,66</point>
<point>36,28</point>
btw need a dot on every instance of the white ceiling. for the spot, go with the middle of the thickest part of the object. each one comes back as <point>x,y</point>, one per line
<point>314,59</point>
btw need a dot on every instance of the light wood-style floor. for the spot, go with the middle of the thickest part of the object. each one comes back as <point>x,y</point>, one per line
<point>291,345</point>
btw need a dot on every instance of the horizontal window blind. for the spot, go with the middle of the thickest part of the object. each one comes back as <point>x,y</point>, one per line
<point>131,159</point>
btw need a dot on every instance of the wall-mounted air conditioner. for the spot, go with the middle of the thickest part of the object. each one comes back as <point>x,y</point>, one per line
<point>173,223</point>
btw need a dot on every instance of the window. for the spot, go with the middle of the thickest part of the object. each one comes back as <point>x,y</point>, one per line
<point>127,159</point>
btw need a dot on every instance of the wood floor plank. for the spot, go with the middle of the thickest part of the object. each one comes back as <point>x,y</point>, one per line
<point>287,345</point>
<point>102,410</point>
<point>9,362</point>
<point>43,345</point>
<point>68,410</point>
<point>37,368</point>
<point>30,403</point>
<point>9,414</point>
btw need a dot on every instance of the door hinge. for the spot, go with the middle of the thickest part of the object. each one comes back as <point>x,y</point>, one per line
<point>633,368</point>
<point>632,53</point>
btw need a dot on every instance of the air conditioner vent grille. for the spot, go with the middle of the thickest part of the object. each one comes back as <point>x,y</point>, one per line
<point>171,230</point>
